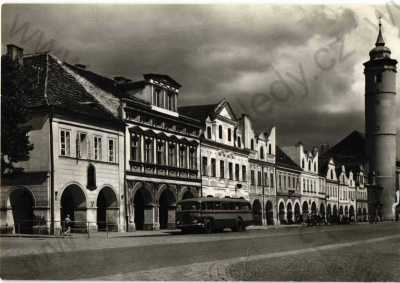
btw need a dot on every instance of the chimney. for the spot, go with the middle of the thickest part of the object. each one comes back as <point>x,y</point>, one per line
<point>15,53</point>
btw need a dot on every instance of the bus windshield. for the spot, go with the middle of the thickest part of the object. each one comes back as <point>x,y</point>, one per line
<point>189,205</point>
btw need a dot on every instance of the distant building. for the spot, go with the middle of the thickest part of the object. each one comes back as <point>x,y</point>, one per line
<point>312,198</point>
<point>224,156</point>
<point>288,188</point>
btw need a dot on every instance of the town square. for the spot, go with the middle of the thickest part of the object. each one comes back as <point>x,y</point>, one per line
<point>198,142</point>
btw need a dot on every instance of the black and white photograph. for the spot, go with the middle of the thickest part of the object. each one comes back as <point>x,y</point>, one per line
<point>200,141</point>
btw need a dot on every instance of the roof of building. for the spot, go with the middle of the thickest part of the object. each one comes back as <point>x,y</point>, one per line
<point>350,151</point>
<point>199,112</point>
<point>282,159</point>
<point>55,86</point>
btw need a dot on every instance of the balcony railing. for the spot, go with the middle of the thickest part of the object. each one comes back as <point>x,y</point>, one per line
<point>162,170</point>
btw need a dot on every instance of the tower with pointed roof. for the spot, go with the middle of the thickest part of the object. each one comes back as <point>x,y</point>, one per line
<point>380,127</point>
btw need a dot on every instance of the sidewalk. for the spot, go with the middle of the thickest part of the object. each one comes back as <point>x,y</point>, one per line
<point>139,233</point>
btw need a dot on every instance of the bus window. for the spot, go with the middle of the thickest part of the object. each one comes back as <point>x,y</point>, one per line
<point>244,206</point>
<point>188,206</point>
<point>207,205</point>
<point>217,205</point>
<point>227,206</point>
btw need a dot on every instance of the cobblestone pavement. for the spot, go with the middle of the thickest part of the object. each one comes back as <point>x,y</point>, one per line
<point>222,256</point>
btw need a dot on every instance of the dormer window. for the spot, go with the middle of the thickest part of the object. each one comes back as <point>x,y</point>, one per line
<point>269,149</point>
<point>209,132</point>
<point>239,142</point>
<point>220,132</point>
<point>262,152</point>
<point>303,164</point>
<point>252,144</point>
<point>229,134</point>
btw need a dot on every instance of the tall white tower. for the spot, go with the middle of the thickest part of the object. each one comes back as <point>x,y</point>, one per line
<point>380,127</point>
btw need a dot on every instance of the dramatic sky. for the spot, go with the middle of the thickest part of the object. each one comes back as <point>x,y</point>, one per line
<point>296,67</point>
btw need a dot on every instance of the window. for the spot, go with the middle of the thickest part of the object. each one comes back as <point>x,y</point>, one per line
<point>252,178</point>
<point>272,180</point>
<point>171,101</point>
<point>160,151</point>
<point>91,177</point>
<point>309,166</point>
<point>262,152</point>
<point>269,149</point>
<point>65,140</point>
<point>252,144</point>
<point>204,166</point>
<point>237,173</point>
<point>97,148</point>
<point>172,154</point>
<point>221,169</point>
<point>160,97</point>
<point>154,98</point>
<point>259,181</point>
<point>82,146</point>
<point>135,148</point>
<point>315,167</point>
<point>111,150</point>
<point>230,171</point>
<point>239,142</point>
<point>220,132</point>
<point>213,169</point>
<point>193,158</point>
<point>280,181</point>
<point>331,174</point>
<point>266,179</point>
<point>229,134</point>
<point>182,156</point>
<point>209,132</point>
<point>148,150</point>
<point>244,173</point>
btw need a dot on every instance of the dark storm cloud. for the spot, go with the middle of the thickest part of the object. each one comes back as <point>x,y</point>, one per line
<point>290,66</point>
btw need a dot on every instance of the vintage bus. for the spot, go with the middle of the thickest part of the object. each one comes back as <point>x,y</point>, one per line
<point>213,214</point>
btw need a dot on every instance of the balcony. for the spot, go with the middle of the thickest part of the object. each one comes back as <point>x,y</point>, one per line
<point>162,171</point>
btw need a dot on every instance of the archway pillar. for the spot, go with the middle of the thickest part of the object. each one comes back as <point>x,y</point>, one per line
<point>91,214</point>
<point>57,230</point>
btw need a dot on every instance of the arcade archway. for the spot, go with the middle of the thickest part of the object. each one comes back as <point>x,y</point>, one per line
<point>187,194</point>
<point>282,213</point>
<point>107,210</point>
<point>142,201</point>
<point>73,203</point>
<point>270,213</point>
<point>167,203</point>
<point>297,213</point>
<point>289,213</point>
<point>22,203</point>
<point>257,212</point>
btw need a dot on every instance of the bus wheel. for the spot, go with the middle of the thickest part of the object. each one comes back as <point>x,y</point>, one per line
<point>210,226</point>
<point>238,226</point>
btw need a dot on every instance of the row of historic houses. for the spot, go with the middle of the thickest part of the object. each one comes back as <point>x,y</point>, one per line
<point>117,155</point>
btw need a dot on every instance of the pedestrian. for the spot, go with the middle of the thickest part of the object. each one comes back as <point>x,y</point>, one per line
<point>67,223</point>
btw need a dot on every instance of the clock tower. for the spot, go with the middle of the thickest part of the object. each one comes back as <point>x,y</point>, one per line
<point>380,127</point>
